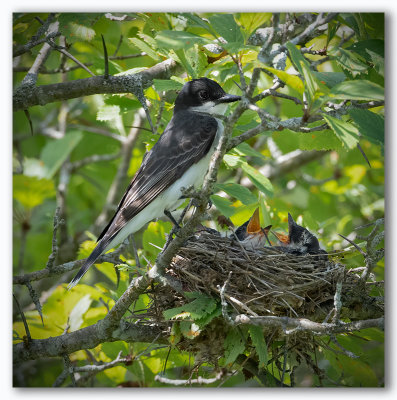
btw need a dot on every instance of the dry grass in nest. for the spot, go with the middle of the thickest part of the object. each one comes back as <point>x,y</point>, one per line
<point>262,282</point>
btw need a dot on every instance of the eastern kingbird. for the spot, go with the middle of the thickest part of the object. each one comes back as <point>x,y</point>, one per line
<point>299,240</point>
<point>251,234</point>
<point>179,159</point>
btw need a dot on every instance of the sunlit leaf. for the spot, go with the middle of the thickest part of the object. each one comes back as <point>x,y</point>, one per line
<point>347,133</point>
<point>31,191</point>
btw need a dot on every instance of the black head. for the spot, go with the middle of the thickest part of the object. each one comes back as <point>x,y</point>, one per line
<point>301,239</point>
<point>202,95</point>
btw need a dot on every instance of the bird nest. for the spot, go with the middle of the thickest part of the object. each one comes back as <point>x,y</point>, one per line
<point>262,281</point>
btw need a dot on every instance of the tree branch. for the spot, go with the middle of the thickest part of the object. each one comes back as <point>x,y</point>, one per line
<point>25,97</point>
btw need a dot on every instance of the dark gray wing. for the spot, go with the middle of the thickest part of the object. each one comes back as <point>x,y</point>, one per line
<point>186,140</point>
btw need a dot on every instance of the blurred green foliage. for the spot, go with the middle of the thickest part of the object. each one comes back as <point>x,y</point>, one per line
<point>331,194</point>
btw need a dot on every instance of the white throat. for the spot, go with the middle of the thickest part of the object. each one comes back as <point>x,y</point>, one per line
<point>210,108</point>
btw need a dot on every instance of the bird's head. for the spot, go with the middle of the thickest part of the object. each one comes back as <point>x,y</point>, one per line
<point>205,96</point>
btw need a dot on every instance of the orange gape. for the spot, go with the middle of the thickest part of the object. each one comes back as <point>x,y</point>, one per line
<point>282,237</point>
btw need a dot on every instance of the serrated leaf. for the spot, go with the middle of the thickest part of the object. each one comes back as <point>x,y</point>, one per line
<point>259,343</point>
<point>177,40</point>
<point>293,81</point>
<point>31,191</point>
<point>76,315</point>
<point>357,90</point>
<point>56,152</point>
<point>234,346</point>
<point>349,60</point>
<point>371,125</point>
<point>196,309</point>
<point>112,115</point>
<point>223,205</point>
<point>227,27</point>
<point>347,133</point>
<point>164,85</point>
<point>237,191</point>
<point>145,48</point>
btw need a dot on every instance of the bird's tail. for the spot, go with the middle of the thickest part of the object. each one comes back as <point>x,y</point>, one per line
<point>99,249</point>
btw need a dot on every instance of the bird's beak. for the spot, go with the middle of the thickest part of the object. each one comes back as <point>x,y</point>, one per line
<point>228,98</point>
<point>254,226</point>
<point>283,239</point>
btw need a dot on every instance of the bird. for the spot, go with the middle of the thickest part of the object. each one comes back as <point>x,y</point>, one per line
<point>179,159</point>
<point>299,240</point>
<point>251,234</point>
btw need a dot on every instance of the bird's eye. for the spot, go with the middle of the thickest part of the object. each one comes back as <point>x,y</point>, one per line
<point>203,94</point>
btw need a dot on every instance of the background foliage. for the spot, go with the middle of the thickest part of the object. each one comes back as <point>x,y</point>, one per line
<point>332,192</point>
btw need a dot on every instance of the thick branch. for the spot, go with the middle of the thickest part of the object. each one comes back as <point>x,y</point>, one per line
<point>85,338</point>
<point>304,324</point>
<point>28,96</point>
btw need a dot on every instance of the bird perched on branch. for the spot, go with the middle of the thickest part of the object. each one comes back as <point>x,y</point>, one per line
<point>179,159</point>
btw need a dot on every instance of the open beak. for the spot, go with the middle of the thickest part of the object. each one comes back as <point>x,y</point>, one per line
<point>254,225</point>
<point>228,98</point>
<point>283,238</point>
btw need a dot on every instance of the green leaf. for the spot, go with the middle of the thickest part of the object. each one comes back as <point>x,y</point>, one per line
<point>196,309</point>
<point>330,78</point>
<point>233,160</point>
<point>77,26</point>
<point>227,27</point>
<point>296,57</point>
<point>112,115</point>
<point>239,192</point>
<point>197,60</point>
<point>357,90</point>
<point>145,48</point>
<point>378,62</point>
<point>374,45</point>
<point>320,140</point>
<point>347,133</point>
<point>259,180</point>
<point>371,125</point>
<point>177,40</point>
<point>252,21</point>
<point>223,205</point>
<point>56,152</point>
<point>245,149</point>
<point>164,85</point>
<point>293,81</point>
<point>234,346</point>
<point>76,316</point>
<point>349,60</point>
<point>259,343</point>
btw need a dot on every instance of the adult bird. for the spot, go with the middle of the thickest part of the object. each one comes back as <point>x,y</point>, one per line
<point>179,159</point>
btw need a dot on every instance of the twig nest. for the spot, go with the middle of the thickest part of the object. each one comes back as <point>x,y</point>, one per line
<point>263,281</point>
